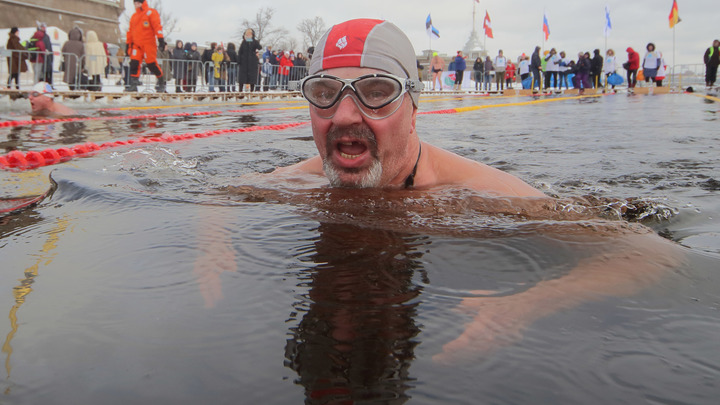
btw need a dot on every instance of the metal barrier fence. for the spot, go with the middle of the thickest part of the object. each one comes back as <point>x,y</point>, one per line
<point>194,76</point>
<point>688,75</point>
<point>180,75</point>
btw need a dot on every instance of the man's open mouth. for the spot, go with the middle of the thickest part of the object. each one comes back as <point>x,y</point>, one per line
<point>351,149</point>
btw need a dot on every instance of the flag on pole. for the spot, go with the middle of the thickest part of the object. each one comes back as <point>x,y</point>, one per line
<point>546,27</point>
<point>674,16</point>
<point>432,32</point>
<point>487,26</point>
<point>608,24</point>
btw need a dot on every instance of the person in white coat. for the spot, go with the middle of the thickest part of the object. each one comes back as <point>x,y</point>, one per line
<point>610,65</point>
<point>651,63</point>
<point>96,60</point>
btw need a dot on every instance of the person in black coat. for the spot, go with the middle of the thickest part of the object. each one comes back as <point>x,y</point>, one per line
<point>596,65</point>
<point>299,69</point>
<point>194,67</point>
<point>233,68</point>
<point>49,55</point>
<point>712,61</point>
<point>535,66</point>
<point>208,65</point>
<point>248,61</point>
<point>179,64</point>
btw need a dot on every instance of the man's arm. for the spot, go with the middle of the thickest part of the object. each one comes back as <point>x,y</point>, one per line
<point>156,25</point>
<point>640,260</point>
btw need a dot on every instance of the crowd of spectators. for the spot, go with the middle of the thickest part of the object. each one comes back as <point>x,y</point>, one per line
<point>251,67</point>
<point>553,71</point>
<point>222,67</point>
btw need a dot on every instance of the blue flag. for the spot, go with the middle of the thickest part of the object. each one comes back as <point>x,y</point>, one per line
<point>608,24</point>
<point>432,32</point>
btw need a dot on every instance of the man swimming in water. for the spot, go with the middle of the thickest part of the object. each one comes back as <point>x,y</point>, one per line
<point>363,106</point>
<point>43,105</point>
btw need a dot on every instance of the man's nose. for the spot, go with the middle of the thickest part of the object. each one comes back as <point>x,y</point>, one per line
<point>348,110</point>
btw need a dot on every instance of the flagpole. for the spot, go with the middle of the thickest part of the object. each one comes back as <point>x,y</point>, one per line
<point>542,74</point>
<point>485,35</point>
<point>673,60</point>
<point>607,18</point>
<point>473,15</point>
<point>430,55</point>
<point>543,37</point>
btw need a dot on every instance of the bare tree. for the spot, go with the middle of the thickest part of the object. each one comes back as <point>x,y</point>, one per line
<point>264,31</point>
<point>287,44</point>
<point>168,21</point>
<point>312,30</point>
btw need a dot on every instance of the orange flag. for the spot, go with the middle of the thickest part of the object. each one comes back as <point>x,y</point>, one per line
<point>674,16</point>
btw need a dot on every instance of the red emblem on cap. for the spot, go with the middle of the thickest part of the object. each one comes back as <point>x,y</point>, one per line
<point>346,43</point>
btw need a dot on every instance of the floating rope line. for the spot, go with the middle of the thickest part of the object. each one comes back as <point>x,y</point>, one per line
<point>480,107</point>
<point>198,105</point>
<point>6,124</point>
<point>706,96</point>
<point>19,161</point>
<point>118,117</point>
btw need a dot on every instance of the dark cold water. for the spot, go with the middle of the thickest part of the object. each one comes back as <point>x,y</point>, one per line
<point>164,274</point>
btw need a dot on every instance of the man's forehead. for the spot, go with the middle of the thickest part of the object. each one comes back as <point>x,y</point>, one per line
<point>350,72</point>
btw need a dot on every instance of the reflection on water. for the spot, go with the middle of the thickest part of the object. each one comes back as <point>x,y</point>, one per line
<point>355,338</point>
<point>339,296</point>
<point>21,291</point>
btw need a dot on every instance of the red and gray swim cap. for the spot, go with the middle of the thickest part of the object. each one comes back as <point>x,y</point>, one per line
<point>368,43</point>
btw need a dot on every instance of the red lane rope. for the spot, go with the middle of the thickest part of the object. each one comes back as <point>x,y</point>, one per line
<point>7,124</point>
<point>19,161</point>
<point>119,117</point>
<point>16,160</point>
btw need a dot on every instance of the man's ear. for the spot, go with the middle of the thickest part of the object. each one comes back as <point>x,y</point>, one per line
<point>413,119</point>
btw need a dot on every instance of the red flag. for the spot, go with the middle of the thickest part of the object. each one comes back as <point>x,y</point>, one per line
<point>674,16</point>
<point>487,26</point>
<point>546,27</point>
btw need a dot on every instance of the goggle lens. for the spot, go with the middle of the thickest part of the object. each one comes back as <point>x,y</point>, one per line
<point>374,91</point>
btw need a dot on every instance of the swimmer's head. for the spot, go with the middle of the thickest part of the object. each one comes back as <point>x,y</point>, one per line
<point>42,89</point>
<point>367,43</point>
<point>41,98</point>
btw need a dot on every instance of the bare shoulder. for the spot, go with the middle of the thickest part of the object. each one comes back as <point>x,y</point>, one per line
<point>308,173</point>
<point>309,166</point>
<point>447,168</point>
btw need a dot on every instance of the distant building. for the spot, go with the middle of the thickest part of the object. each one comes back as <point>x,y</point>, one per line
<point>101,16</point>
<point>473,48</point>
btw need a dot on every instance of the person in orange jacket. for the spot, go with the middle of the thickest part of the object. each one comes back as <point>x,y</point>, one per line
<point>145,26</point>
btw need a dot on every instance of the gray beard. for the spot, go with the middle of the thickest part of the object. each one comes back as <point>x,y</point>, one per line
<point>374,174</point>
<point>370,180</point>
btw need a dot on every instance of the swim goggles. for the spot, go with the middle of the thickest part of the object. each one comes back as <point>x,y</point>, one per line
<point>379,94</point>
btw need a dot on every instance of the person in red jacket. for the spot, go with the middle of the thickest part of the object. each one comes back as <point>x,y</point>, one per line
<point>145,26</point>
<point>632,66</point>
<point>510,74</point>
<point>285,65</point>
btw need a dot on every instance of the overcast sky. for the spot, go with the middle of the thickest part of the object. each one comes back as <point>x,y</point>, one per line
<point>517,24</point>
